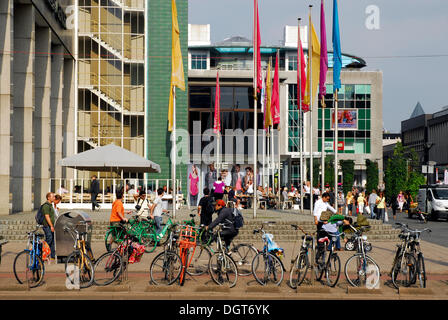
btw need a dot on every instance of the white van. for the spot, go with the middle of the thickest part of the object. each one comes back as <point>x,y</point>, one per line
<point>433,199</point>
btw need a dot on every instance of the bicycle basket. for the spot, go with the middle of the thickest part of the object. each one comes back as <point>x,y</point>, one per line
<point>187,237</point>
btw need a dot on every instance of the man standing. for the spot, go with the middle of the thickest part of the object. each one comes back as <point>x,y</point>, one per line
<point>157,210</point>
<point>94,191</point>
<point>372,203</point>
<point>48,225</point>
<point>211,176</point>
<point>205,208</point>
<point>320,206</point>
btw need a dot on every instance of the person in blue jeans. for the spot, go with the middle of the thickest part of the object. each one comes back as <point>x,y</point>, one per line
<point>157,210</point>
<point>48,224</point>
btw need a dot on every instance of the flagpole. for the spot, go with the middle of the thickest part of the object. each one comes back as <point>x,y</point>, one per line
<point>323,145</point>
<point>174,153</point>
<point>299,99</point>
<point>310,57</point>
<point>336,148</point>
<point>255,46</point>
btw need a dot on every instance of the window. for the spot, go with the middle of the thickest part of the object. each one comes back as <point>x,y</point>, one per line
<point>199,61</point>
<point>292,63</point>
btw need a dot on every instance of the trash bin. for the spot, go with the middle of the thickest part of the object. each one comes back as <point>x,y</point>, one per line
<point>64,242</point>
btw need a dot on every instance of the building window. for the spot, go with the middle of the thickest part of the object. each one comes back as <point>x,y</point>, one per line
<point>199,61</point>
<point>293,120</point>
<point>292,63</point>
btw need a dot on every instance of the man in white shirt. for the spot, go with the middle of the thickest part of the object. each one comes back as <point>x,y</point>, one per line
<point>320,206</point>
<point>157,210</point>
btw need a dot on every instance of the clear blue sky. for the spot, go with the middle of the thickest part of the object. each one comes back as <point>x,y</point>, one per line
<point>407,28</point>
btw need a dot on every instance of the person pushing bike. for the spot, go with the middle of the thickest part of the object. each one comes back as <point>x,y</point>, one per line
<point>225,216</point>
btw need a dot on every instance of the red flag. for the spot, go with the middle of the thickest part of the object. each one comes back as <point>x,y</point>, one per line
<point>257,41</point>
<point>275,101</point>
<point>217,122</point>
<point>301,74</point>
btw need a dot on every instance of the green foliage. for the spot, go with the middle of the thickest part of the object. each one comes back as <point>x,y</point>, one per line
<point>316,174</point>
<point>372,175</point>
<point>348,174</point>
<point>329,170</point>
<point>415,180</point>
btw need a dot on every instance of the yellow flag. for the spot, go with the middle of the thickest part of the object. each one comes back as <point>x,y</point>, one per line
<point>177,68</point>
<point>314,60</point>
<point>268,117</point>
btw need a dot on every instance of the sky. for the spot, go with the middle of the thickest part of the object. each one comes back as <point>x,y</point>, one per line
<point>405,39</point>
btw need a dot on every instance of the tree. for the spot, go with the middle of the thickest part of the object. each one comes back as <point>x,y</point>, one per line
<point>372,175</point>
<point>396,173</point>
<point>329,170</point>
<point>348,174</point>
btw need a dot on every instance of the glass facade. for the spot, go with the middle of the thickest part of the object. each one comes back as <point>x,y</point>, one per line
<point>111,74</point>
<point>199,61</point>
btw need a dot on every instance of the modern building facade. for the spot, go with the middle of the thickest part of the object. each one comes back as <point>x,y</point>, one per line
<point>37,91</point>
<point>360,96</point>
<point>111,76</point>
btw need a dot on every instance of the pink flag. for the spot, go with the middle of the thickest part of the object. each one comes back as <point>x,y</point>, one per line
<point>217,123</point>
<point>257,41</point>
<point>323,53</point>
<point>275,101</point>
<point>301,74</point>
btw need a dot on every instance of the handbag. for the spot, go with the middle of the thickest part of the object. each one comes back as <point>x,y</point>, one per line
<point>367,209</point>
<point>386,217</point>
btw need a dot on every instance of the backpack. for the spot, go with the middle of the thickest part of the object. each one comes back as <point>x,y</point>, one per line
<point>40,216</point>
<point>238,220</point>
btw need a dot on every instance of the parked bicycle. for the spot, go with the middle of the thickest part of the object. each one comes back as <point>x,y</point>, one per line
<point>409,263</point>
<point>360,269</point>
<point>28,266</point>
<point>312,254</point>
<point>80,262</point>
<point>267,265</point>
<point>166,267</point>
<point>221,266</point>
<point>111,265</point>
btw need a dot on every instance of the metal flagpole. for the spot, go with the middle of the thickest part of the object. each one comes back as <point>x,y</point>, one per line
<point>174,153</point>
<point>310,58</point>
<point>336,147</point>
<point>255,46</point>
<point>299,97</point>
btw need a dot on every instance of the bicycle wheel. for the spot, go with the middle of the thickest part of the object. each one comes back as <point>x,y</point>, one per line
<point>223,269</point>
<point>361,272</point>
<point>164,239</point>
<point>113,239</point>
<point>86,269</point>
<point>165,269</point>
<point>107,268</point>
<point>184,259</point>
<point>333,270</point>
<point>421,271</point>
<point>298,270</point>
<point>148,241</point>
<point>28,269</point>
<point>319,267</point>
<point>403,272</point>
<point>199,261</point>
<point>243,254</point>
<point>267,267</point>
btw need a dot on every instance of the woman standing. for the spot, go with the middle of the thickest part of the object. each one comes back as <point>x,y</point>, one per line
<point>349,202</point>
<point>194,179</point>
<point>381,206</point>
<point>401,200</point>
<point>362,201</point>
<point>340,202</point>
<point>219,189</point>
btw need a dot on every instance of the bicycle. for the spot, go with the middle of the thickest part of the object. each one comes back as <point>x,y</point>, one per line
<point>31,261</point>
<point>360,269</point>
<point>187,245</point>
<point>81,259</point>
<point>167,265</point>
<point>111,265</point>
<point>242,254</point>
<point>221,266</point>
<point>409,262</point>
<point>300,265</point>
<point>266,265</point>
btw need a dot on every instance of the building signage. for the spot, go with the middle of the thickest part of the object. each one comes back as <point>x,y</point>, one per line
<point>58,12</point>
<point>329,146</point>
<point>347,119</point>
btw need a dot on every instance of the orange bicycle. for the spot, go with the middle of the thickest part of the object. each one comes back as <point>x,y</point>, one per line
<point>187,246</point>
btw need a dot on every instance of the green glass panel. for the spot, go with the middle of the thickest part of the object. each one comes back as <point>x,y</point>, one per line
<point>367,124</point>
<point>362,113</point>
<point>327,125</point>
<point>329,88</point>
<point>361,124</point>
<point>360,89</point>
<point>368,114</point>
<point>367,145</point>
<point>368,88</point>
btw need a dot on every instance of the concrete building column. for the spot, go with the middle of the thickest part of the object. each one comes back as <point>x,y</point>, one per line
<point>42,115</point>
<point>5,102</point>
<point>22,122</point>
<point>68,115</point>
<point>57,66</point>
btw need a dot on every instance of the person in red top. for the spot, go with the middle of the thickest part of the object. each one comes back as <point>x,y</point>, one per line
<point>117,214</point>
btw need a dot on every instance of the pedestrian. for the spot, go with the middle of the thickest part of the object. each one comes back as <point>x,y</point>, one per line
<point>117,215</point>
<point>142,204</point>
<point>157,210</point>
<point>48,224</point>
<point>393,204</point>
<point>237,178</point>
<point>218,189</point>
<point>205,208</point>
<point>320,206</point>
<point>380,206</point>
<point>225,216</point>
<point>210,176</point>
<point>349,203</point>
<point>372,203</point>
<point>341,202</point>
<point>401,200</point>
<point>57,200</point>
<point>194,179</point>
<point>94,191</point>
